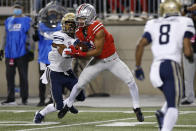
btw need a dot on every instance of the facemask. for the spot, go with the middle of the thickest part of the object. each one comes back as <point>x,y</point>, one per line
<point>52,17</point>
<point>17,11</point>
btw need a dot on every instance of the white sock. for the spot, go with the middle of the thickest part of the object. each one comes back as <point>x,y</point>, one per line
<point>74,93</point>
<point>134,93</point>
<point>164,108</point>
<point>65,102</point>
<point>49,108</point>
<point>170,119</point>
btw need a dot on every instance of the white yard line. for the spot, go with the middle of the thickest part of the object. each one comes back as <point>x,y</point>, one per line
<point>87,123</point>
<point>79,124</point>
<point>21,111</point>
<point>25,123</point>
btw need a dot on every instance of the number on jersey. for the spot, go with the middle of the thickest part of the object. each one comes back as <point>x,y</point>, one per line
<point>164,34</point>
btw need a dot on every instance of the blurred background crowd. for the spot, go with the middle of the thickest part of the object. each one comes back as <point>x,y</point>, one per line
<point>106,9</point>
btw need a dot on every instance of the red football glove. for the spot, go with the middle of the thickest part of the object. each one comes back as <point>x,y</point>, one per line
<point>73,49</point>
<point>75,52</point>
<point>72,52</point>
<point>81,53</point>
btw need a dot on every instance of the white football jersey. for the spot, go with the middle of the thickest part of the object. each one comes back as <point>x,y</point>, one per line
<point>167,36</point>
<point>57,62</point>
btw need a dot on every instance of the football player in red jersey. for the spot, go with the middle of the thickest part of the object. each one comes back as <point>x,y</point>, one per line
<point>104,57</point>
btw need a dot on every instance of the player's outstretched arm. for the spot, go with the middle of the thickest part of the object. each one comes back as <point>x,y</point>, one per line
<point>188,52</point>
<point>62,49</point>
<point>139,51</point>
<point>139,73</point>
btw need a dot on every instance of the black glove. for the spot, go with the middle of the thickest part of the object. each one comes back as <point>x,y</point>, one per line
<point>139,73</point>
<point>35,35</point>
<point>30,56</point>
<point>190,59</point>
<point>1,55</point>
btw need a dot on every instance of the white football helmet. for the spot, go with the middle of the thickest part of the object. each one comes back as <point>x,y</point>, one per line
<point>85,15</point>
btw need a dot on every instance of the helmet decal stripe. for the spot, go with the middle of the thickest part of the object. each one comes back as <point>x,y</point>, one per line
<point>80,8</point>
<point>87,12</point>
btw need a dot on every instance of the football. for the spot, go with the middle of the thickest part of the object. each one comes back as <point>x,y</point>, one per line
<point>83,47</point>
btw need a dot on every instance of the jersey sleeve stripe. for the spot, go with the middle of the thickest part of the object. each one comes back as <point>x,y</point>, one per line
<point>190,26</point>
<point>58,38</point>
<point>97,26</point>
<point>97,29</point>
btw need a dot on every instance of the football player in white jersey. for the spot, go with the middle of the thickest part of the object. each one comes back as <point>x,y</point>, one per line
<point>169,35</point>
<point>59,72</point>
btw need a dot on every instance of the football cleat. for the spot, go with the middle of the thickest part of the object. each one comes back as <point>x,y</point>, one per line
<point>73,110</point>
<point>38,118</point>
<point>139,114</point>
<point>64,111</point>
<point>160,116</point>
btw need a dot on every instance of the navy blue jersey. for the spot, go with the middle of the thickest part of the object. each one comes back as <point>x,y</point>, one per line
<point>45,43</point>
<point>16,35</point>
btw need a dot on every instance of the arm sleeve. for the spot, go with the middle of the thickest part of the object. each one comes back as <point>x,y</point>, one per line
<point>30,38</point>
<point>147,36</point>
<point>62,38</point>
<point>58,38</point>
<point>147,32</point>
<point>189,28</point>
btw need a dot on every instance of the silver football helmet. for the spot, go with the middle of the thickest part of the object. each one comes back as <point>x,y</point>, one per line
<point>52,14</point>
<point>85,15</point>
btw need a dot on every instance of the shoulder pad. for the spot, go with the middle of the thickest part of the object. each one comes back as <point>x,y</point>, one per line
<point>58,37</point>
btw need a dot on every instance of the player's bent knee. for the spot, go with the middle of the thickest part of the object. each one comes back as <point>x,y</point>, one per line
<point>132,84</point>
<point>80,85</point>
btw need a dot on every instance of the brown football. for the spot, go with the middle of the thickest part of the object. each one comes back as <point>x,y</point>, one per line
<point>82,47</point>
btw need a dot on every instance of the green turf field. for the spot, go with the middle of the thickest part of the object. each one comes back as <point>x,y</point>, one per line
<point>91,119</point>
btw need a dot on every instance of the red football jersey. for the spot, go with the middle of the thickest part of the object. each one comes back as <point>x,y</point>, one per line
<point>96,26</point>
